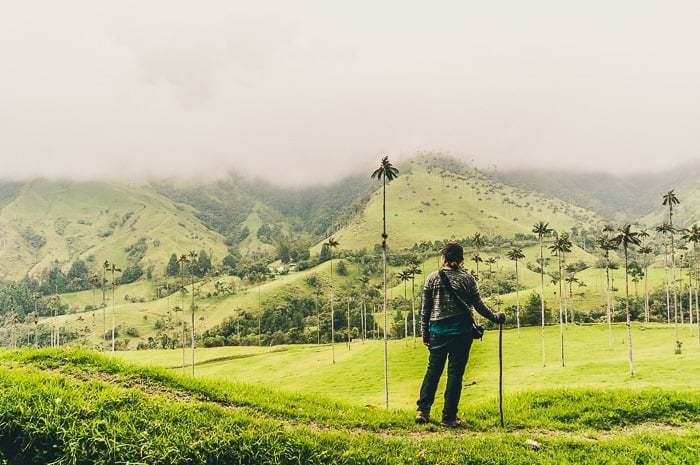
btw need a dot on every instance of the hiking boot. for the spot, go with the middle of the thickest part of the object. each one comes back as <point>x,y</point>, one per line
<point>423,417</point>
<point>456,423</point>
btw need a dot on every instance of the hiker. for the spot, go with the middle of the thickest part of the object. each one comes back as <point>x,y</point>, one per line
<point>448,329</point>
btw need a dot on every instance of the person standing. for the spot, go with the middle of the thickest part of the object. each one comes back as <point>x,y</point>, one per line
<point>448,329</point>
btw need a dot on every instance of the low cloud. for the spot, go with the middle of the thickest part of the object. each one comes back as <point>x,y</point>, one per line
<point>306,91</point>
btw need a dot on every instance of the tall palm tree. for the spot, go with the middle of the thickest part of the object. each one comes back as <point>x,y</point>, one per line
<point>332,245</point>
<point>571,279</point>
<point>559,247</point>
<point>542,230</point>
<point>105,268</point>
<point>606,245</point>
<point>491,261</point>
<point>626,238</point>
<point>114,269</point>
<point>665,229</point>
<point>317,293</point>
<point>385,173</point>
<point>646,251</point>
<point>348,321</point>
<point>405,276</point>
<point>477,259</point>
<point>364,279</point>
<point>478,242</point>
<point>516,254</point>
<point>182,261</point>
<point>193,260</point>
<point>669,200</point>
<point>692,235</point>
<point>414,270</point>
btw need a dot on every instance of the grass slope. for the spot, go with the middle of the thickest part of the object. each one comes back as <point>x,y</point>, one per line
<point>426,204</point>
<point>96,221</point>
<point>357,376</point>
<point>78,407</point>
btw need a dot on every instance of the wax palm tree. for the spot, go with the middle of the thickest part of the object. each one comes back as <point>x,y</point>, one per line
<point>332,244</point>
<point>692,235</point>
<point>626,238</point>
<point>414,270</point>
<point>385,173</point>
<point>670,200</point>
<point>559,247</point>
<point>516,254</point>
<point>491,261</point>
<point>571,279</point>
<point>182,262</point>
<point>317,293</point>
<point>605,245</point>
<point>105,268</point>
<point>477,259</point>
<point>542,230</point>
<point>665,229</point>
<point>646,251</point>
<point>364,279</point>
<point>404,276</point>
<point>114,269</point>
<point>192,256</point>
<point>478,241</point>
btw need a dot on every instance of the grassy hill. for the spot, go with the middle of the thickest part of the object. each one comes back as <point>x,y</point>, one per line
<point>67,406</point>
<point>49,221</point>
<point>436,198</point>
<point>624,197</point>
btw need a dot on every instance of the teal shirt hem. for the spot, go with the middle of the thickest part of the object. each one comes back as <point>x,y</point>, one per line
<point>454,326</point>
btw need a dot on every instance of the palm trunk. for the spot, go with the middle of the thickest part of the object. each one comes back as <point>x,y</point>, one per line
<point>690,300</point>
<point>544,360</point>
<point>386,342</point>
<point>113,312</point>
<point>571,302</point>
<point>332,317</point>
<point>561,312</point>
<point>517,297</point>
<point>668,294</point>
<point>413,308</point>
<point>646,294</point>
<point>348,324</point>
<point>673,278</point>
<point>629,322</point>
<point>607,300</point>
<point>192,332</point>
<point>318,321</point>
<point>405,329</point>
<point>364,320</point>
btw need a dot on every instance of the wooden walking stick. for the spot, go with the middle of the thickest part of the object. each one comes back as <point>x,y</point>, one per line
<point>500,372</point>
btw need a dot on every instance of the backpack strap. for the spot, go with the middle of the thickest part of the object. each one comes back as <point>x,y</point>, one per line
<point>477,332</point>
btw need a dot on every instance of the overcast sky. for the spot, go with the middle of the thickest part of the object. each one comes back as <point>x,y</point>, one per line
<point>302,89</point>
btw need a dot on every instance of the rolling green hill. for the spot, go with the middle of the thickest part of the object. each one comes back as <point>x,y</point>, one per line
<point>49,221</point>
<point>437,198</point>
<point>623,197</point>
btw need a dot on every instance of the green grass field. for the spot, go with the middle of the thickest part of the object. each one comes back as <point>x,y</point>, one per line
<point>357,375</point>
<point>290,405</point>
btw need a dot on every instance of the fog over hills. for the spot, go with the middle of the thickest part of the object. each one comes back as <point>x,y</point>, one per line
<point>623,196</point>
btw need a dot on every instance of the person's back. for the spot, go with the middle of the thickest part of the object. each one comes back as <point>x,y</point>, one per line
<point>447,326</point>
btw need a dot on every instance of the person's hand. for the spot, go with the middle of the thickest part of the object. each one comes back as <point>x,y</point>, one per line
<point>426,340</point>
<point>500,318</point>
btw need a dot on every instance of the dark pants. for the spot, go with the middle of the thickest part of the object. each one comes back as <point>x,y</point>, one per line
<point>444,348</point>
